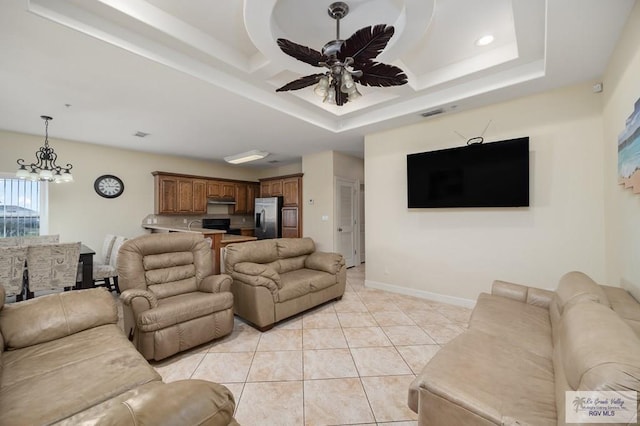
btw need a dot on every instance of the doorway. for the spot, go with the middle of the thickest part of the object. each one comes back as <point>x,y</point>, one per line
<point>347,228</point>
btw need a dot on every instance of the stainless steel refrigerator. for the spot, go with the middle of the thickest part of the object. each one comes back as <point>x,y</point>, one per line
<point>268,218</point>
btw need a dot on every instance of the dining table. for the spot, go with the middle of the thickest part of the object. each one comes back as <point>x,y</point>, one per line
<point>86,261</point>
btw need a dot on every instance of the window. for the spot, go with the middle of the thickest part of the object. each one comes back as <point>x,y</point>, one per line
<point>22,207</point>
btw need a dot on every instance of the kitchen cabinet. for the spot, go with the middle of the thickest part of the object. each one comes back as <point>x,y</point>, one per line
<point>291,190</point>
<point>228,190</point>
<point>185,196</point>
<point>253,191</point>
<point>290,223</point>
<point>179,194</point>
<point>199,196</point>
<point>247,232</point>
<point>220,189</point>
<point>166,201</point>
<point>240,195</point>
<point>271,188</point>
<point>214,188</point>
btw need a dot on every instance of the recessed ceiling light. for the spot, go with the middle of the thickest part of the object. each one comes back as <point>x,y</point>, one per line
<point>484,40</point>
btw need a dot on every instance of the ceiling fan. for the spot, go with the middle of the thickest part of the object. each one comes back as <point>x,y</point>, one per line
<point>348,61</point>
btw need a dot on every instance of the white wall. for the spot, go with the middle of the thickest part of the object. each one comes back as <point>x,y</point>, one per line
<point>320,171</point>
<point>459,252</point>
<point>622,90</point>
<point>77,213</point>
<point>318,186</point>
<point>348,167</point>
<point>287,169</point>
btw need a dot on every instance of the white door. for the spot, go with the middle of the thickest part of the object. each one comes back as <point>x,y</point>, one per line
<point>361,215</point>
<point>346,220</point>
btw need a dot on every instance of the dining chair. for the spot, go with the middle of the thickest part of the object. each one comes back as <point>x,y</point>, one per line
<point>40,239</point>
<point>10,241</point>
<point>106,274</point>
<point>12,267</point>
<point>52,267</point>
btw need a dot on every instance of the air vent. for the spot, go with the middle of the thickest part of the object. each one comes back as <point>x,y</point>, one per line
<point>140,134</point>
<point>432,112</point>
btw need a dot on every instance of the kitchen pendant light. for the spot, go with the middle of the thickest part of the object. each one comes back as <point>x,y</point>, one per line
<point>45,168</point>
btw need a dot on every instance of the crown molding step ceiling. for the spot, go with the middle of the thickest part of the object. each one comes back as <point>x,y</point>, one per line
<point>434,43</point>
<point>181,70</point>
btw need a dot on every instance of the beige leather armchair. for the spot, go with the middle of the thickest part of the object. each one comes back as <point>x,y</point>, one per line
<point>171,300</point>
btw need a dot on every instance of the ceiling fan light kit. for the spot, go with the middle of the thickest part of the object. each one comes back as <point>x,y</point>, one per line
<point>348,62</point>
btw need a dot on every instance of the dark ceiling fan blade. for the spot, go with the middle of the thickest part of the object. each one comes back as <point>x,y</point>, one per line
<point>366,43</point>
<point>301,53</point>
<point>301,83</point>
<point>379,74</point>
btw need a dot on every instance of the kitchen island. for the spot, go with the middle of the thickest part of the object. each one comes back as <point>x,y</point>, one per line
<point>218,238</point>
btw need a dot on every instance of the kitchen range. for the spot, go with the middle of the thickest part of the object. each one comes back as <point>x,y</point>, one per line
<point>222,224</point>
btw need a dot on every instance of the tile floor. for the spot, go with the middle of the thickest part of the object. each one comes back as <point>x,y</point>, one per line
<point>343,363</point>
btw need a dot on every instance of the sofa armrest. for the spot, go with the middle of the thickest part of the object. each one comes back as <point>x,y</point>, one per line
<point>185,402</point>
<point>54,316</point>
<point>134,303</point>
<point>256,281</point>
<point>522,293</point>
<point>326,262</point>
<point>509,290</point>
<point>258,269</point>
<point>215,283</point>
<point>539,297</point>
<point>139,300</point>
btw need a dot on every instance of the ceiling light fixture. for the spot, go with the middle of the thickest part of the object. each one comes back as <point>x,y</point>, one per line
<point>349,62</point>
<point>245,157</point>
<point>485,40</point>
<point>45,168</point>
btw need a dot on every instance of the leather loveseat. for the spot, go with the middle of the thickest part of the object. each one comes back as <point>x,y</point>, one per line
<point>524,348</point>
<point>277,278</point>
<point>64,360</point>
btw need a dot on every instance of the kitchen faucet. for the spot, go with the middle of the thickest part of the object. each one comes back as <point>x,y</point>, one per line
<point>192,222</point>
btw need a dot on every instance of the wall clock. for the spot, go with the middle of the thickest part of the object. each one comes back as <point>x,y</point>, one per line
<point>109,186</point>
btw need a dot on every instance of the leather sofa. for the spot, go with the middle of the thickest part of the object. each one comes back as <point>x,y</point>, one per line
<point>171,299</point>
<point>524,348</point>
<point>277,278</point>
<point>64,360</point>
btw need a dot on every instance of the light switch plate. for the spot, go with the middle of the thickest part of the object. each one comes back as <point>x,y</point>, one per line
<point>325,218</point>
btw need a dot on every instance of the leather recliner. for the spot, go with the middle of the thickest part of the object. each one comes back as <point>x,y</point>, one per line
<point>171,299</point>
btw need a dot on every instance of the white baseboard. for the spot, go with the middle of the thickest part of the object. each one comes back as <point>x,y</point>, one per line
<point>436,297</point>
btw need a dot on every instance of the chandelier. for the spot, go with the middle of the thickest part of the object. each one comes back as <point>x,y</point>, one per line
<point>45,168</point>
<point>348,62</point>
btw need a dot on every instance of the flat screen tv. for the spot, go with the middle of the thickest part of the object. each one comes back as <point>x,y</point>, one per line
<point>492,174</point>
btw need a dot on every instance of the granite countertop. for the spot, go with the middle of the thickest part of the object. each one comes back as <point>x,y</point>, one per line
<point>194,229</point>
<point>227,238</point>
<point>230,238</point>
